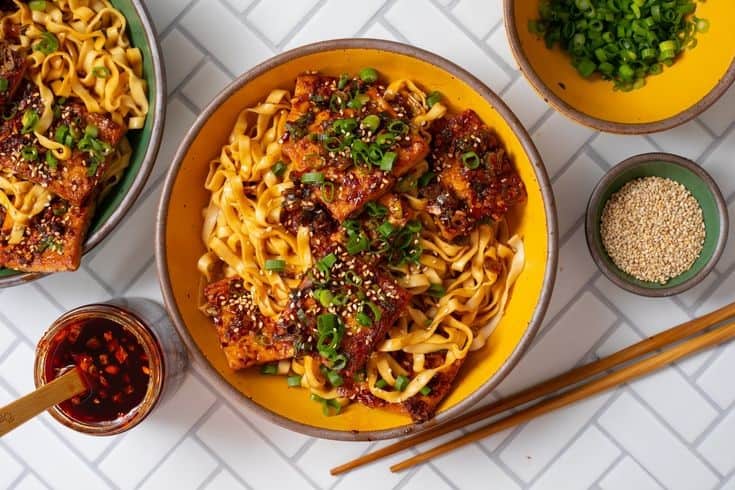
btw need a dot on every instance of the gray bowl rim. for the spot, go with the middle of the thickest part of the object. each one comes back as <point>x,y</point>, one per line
<point>149,158</point>
<point>541,175</point>
<point>591,224</point>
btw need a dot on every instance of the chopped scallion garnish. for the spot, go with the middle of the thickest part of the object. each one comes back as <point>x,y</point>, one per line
<point>275,265</point>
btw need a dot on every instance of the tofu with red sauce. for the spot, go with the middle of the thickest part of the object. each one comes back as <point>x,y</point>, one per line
<point>358,143</point>
<point>248,337</point>
<point>476,180</point>
<point>52,241</point>
<point>356,299</point>
<point>91,136</point>
<point>420,407</point>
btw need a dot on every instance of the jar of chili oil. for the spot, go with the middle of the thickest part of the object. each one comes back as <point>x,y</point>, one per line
<point>129,354</point>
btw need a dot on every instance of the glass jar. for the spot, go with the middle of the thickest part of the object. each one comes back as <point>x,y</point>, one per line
<point>141,319</point>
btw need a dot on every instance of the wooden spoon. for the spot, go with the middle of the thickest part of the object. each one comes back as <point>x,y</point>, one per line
<point>23,409</point>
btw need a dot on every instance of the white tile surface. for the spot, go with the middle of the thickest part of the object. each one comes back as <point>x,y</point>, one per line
<point>187,467</point>
<point>578,468</point>
<point>715,447</point>
<point>246,453</point>
<point>476,17</point>
<point>637,430</point>
<point>628,474</point>
<point>173,420</point>
<point>673,430</point>
<point>541,440</point>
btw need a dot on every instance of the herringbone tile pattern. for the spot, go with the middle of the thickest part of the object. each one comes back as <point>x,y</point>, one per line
<point>673,430</point>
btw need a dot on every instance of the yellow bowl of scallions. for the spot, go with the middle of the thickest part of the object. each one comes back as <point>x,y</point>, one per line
<point>625,66</point>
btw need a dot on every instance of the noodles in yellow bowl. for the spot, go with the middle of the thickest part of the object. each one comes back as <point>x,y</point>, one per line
<point>331,252</point>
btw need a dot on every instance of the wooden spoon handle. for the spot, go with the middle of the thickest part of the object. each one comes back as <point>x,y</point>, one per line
<point>23,409</point>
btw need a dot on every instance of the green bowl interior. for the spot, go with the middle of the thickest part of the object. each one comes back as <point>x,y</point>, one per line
<point>701,193</point>
<point>139,139</point>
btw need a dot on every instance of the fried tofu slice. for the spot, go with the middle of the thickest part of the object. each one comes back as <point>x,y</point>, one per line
<point>363,300</point>
<point>13,65</point>
<point>248,338</point>
<point>75,179</point>
<point>419,407</point>
<point>326,133</point>
<point>476,180</point>
<point>52,242</point>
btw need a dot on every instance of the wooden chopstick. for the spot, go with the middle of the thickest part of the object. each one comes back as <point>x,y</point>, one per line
<point>623,375</point>
<point>548,387</point>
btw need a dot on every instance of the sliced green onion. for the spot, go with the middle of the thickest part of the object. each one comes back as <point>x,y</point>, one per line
<point>62,135</point>
<point>356,243</point>
<point>334,379</point>
<point>371,123</point>
<point>351,224</point>
<point>293,381</point>
<point>344,125</point>
<point>377,314</point>
<point>385,139</point>
<point>368,75</point>
<point>327,190</point>
<point>324,297</point>
<point>29,153</point>
<point>37,5</point>
<point>326,323</point>
<point>381,383</point>
<point>386,229</point>
<point>358,101</point>
<point>269,369</point>
<point>436,291</point>
<point>343,79</point>
<point>425,390</point>
<point>375,154</point>
<point>51,160</point>
<point>363,319</point>
<point>426,179</point>
<point>376,210</point>
<point>29,121</point>
<point>401,382</point>
<point>278,168</point>
<point>433,99</point>
<point>471,160</point>
<point>275,265</point>
<point>398,127</point>
<point>339,362</point>
<point>101,71</point>
<point>312,178</point>
<point>333,144</point>
<point>621,40</point>
<point>386,163</point>
<point>326,263</point>
<point>352,278</point>
<point>337,101</point>
<point>4,83</point>
<point>47,44</point>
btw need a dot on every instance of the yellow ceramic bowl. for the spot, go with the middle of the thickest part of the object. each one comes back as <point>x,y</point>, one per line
<point>679,94</point>
<point>184,197</point>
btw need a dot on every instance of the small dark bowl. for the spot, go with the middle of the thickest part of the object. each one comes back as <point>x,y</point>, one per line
<point>705,191</point>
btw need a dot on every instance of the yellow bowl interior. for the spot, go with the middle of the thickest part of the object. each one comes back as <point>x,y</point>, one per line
<point>188,197</point>
<point>677,89</point>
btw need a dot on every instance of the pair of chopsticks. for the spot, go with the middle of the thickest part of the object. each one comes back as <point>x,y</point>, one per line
<point>674,344</point>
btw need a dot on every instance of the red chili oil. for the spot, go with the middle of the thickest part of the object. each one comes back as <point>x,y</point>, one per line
<point>113,362</point>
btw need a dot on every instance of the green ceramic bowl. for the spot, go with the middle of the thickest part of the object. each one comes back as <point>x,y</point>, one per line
<point>702,187</point>
<point>145,142</point>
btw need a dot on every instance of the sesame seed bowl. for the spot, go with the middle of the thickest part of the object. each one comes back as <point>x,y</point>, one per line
<point>656,224</point>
